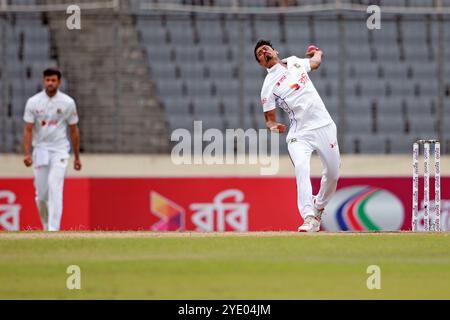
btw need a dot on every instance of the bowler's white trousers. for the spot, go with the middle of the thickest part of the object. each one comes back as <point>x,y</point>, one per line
<point>324,141</point>
<point>49,171</point>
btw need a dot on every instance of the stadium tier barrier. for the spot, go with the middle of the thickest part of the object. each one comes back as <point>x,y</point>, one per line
<point>126,165</point>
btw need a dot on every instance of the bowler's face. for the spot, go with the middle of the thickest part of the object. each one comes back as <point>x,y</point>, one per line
<point>266,55</point>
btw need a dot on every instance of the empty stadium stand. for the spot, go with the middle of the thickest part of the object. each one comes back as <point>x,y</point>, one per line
<point>390,86</point>
<point>25,52</point>
<point>139,74</point>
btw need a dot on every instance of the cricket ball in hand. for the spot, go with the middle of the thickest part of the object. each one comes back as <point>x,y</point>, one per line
<point>311,50</point>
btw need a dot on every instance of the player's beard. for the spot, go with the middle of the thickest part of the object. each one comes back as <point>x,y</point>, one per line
<point>51,91</point>
<point>268,57</point>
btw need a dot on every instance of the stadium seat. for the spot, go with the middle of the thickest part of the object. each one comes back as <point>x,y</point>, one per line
<point>195,60</point>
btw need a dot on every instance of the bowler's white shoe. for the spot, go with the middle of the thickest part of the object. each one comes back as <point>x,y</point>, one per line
<point>311,224</point>
<point>317,212</point>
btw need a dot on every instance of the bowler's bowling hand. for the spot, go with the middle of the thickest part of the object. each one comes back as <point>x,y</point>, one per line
<point>28,160</point>
<point>311,51</point>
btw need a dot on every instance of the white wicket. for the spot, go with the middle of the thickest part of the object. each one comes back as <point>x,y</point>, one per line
<point>426,187</point>
<point>428,225</point>
<point>415,203</point>
<point>437,186</point>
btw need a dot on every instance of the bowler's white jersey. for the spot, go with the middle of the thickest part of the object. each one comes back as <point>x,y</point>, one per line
<point>50,116</point>
<point>292,90</point>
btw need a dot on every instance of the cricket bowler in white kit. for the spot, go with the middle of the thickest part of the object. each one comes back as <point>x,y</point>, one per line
<point>47,116</point>
<point>288,86</point>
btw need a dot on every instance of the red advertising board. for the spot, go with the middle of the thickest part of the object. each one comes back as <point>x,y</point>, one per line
<point>214,204</point>
<point>18,209</point>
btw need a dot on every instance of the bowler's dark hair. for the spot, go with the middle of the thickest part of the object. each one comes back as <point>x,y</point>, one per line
<point>52,72</point>
<point>261,43</point>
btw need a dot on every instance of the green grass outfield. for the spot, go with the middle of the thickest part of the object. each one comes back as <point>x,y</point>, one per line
<point>285,265</point>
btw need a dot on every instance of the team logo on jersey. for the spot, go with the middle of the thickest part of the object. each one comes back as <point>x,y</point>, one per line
<point>297,65</point>
<point>59,111</point>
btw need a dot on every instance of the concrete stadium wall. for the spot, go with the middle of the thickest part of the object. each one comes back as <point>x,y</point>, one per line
<point>102,165</point>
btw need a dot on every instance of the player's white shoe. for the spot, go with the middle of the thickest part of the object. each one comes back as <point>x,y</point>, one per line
<point>317,212</point>
<point>311,224</point>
